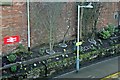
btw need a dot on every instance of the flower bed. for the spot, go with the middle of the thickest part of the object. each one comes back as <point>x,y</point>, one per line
<point>64,60</point>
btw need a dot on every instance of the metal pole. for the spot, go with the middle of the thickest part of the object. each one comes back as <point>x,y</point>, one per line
<point>28,21</point>
<point>81,17</point>
<point>78,33</point>
<point>119,14</point>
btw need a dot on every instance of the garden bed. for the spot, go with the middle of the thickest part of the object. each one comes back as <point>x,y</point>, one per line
<point>34,65</point>
<point>59,64</point>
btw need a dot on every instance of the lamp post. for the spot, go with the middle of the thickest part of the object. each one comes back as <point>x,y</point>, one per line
<point>79,34</point>
<point>28,23</point>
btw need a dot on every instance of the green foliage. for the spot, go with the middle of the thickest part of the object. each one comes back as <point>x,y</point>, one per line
<point>87,56</point>
<point>94,49</point>
<point>116,30</point>
<point>107,31</point>
<point>20,49</point>
<point>105,34</point>
<point>111,28</point>
<point>29,52</point>
<point>11,57</point>
<point>65,63</point>
<point>42,51</point>
<point>21,46</point>
<point>13,68</point>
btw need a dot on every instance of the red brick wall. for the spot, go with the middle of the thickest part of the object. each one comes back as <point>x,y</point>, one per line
<point>14,23</point>
<point>107,14</point>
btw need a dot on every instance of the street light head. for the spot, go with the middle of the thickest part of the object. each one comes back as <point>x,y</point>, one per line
<point>89,5</point>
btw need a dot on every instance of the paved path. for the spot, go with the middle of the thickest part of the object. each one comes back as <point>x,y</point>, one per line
<point>97,70</point>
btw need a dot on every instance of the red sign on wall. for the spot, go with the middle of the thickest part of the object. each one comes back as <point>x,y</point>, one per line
<point>11,39</point>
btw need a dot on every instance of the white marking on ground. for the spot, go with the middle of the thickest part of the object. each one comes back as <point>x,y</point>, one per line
<point>89,76</point>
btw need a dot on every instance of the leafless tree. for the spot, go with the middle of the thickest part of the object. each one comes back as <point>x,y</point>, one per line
<point>47,16</point>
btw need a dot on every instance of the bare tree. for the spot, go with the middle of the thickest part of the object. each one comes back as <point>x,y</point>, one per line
<point>47,16</point>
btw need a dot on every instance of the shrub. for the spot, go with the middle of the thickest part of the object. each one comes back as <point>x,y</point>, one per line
<point>107,31</point>
<point>20,49</point>
<point>11,57</point>
<point>14,68</point>
<point>20,46</point>
<point>41,51</point>
<point>111,28</point>
<point>105,34</point>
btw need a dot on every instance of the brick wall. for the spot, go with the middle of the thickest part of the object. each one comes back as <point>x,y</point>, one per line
<point>14,23</point>
<point>107,14</point>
